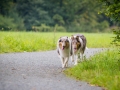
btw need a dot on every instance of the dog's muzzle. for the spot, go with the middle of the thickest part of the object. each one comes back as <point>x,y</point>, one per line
<point>63,47</point>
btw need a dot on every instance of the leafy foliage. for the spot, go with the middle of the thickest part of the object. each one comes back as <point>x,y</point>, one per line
<point>73,15</point>
<point>111,8</point>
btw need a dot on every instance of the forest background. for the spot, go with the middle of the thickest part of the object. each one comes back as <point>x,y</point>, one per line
<point>44,15</point>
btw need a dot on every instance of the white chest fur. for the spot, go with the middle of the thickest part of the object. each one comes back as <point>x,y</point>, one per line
<point>64,53</point>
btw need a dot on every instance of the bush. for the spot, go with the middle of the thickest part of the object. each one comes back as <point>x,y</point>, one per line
<point>6,23</point>
<point>42,28</point>
<point>60,29</point>
<point>10,23</point>
<point>45,28</point>
<point>102,26</point>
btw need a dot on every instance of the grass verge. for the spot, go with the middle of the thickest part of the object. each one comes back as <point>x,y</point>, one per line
<point>100,70</point>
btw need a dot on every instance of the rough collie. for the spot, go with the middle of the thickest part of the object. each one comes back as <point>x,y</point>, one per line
<point>64,50</point>
<point>78,46</point>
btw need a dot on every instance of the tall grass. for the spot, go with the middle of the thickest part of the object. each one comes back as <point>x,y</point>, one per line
<point>37,41</point>
<point>22,41</point>
<point>101,70</point>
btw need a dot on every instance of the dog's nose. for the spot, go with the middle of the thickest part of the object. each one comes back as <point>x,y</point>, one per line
<point>63,46</point>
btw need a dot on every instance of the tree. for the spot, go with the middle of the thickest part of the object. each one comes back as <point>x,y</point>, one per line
<point>9,18</point>
<point>111,8</point>
<point>73,15</point>
<point>5,6</point>
<point>33,13</point>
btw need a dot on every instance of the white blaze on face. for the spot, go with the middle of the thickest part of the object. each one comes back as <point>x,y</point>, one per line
<point>63,43</point>
<point>76,44</point>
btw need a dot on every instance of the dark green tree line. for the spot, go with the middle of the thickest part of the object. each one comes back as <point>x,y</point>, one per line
<point>74,15</point>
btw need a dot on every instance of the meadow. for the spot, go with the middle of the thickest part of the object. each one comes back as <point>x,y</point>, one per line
<point>100,70</point>
<point>39,41</point>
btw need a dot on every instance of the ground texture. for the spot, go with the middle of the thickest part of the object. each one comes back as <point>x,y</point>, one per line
<point>38,71</point>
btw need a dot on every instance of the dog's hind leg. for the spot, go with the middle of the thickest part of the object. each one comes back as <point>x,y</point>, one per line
<point>83,57</point>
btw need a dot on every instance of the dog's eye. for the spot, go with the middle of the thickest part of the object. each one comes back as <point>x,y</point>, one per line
<point>59,40</point>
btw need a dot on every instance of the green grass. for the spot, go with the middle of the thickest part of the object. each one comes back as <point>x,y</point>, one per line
<point>100,70</point>
<point>37,41</point>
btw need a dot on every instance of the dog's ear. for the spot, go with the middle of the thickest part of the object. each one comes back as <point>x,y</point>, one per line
<point>67,40</point>
<point>72,37</point>
<point>60,39</point>
<point>77,37</point>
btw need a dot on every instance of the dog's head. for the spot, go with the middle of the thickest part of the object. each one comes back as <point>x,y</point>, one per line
<point>76,44</point>
<point>64,43</point>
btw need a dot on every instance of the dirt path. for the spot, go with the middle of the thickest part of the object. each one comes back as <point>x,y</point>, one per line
<point>38,71</point>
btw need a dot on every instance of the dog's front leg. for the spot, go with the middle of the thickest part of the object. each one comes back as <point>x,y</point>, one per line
<point>72,58</point>
<point>62,61</point>
<point>76,59</point>
<point>66,62</point>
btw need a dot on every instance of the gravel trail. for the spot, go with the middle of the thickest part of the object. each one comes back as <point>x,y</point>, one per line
<point>38,71</point>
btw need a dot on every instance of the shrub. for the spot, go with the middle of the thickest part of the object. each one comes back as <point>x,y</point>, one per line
<point>45,28</point>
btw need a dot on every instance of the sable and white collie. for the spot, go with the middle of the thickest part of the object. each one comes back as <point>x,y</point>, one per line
<point>64,50</point>
<point>78,45</point>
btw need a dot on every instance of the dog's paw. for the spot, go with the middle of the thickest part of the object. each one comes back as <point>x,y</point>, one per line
<point>75,63</point>
<point>66,65</point>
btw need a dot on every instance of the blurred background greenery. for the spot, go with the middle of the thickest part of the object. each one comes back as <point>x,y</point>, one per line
<point>44,15</point>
